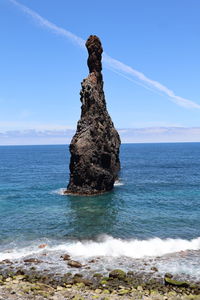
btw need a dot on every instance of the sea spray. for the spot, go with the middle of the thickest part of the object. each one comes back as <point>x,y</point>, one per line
<point>176,256</point>
<point>112,247</point>
<point>118,183</point>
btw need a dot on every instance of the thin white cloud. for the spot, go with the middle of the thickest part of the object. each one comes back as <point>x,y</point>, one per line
<point>117,65</point>
<point>113,64</point>
<point>130,135</point>
<point>149,124</point>
<point>54,28</point>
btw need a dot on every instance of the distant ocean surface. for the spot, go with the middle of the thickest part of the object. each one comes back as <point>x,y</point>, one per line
<point>151,218</point>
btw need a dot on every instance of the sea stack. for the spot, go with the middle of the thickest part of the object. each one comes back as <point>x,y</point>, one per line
<point>94,149</point>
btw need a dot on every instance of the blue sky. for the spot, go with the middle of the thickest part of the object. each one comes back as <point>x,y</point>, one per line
<point>153,80</point>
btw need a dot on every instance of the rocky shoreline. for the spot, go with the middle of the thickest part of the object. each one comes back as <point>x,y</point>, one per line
<point>32,284</point>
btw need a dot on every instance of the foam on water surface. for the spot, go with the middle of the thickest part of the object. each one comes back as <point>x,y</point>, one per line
<point>109,246</point>
<point>113,247</point>
<point>60,191</point>
<point>118,183</point>
<point>174,255</point>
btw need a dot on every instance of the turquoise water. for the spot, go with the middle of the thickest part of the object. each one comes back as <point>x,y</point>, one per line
<point>157,202</point>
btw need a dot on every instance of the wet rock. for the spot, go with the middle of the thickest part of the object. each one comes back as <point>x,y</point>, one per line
<point>98,291</point>
<point>169,281</point>
<point>20,272</point>
<point>74,264</point>
<point>117,274</point>
<point>105,291</point>
<point>6,261</point>
<point>78,279</point>
<point>19,277</point>
<point>80,285</point>
<point>103,282</point>
<point>123,292</point>
<point>130,273</point>
<point>154,269</point>
<point>94,149</point>
<point>8,279</point>
<point>97,275</point>
<point>33,260</point>
<point>78,275</point>
<point>42,246</point>
<point>65,257</point>
<point>168,275</point>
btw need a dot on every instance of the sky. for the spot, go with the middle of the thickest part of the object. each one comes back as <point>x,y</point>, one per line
<point>151,68</point>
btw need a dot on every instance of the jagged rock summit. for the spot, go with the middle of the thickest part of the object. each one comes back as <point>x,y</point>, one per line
<point>94,149</point>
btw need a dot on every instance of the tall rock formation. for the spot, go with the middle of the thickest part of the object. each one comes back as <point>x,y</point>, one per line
<point>94,149</point>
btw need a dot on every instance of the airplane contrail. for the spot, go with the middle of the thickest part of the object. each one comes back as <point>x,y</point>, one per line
<point>112,64</point>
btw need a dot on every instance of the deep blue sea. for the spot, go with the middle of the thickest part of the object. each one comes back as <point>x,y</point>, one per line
<point>152,215</point>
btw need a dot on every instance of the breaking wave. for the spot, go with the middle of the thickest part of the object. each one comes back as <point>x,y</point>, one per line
<point>131,248</point>
<point>109,246</point>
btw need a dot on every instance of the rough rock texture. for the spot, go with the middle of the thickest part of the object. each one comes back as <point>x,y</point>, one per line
<point>94,149</point>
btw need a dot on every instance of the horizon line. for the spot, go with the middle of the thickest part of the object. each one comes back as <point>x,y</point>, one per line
<point>125,143</point>
<point>117,128</point>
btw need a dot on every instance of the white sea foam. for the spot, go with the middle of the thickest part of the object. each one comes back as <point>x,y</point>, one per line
<point>60,191</point>
<point>118,183</point>
<point>130,248</point>
<point>112,247</point>
<point>18,253</point>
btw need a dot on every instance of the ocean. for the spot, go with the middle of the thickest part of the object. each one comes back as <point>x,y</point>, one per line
<point>150,219</point>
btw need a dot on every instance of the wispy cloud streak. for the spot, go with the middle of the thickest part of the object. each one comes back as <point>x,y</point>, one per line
<point>118,65</point>
<point>54,28</point>
<point>112,64</point>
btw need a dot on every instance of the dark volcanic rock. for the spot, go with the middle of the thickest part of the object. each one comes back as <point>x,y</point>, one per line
<point>66,257</point>
<point>74,264</point>
<point>33,260</point>
<point>94,164</point>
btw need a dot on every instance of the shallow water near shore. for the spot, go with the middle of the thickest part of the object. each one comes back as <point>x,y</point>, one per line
<point>151,218</point>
